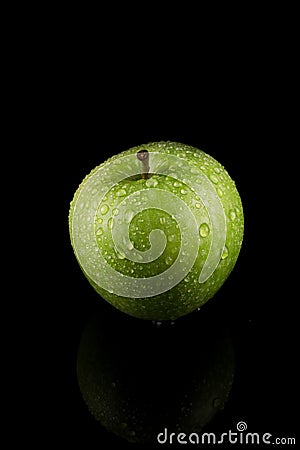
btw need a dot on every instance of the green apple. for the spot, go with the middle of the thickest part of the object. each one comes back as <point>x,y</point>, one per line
<point>157,229</point>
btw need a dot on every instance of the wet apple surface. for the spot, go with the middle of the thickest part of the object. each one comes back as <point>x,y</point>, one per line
<point>157,236</point>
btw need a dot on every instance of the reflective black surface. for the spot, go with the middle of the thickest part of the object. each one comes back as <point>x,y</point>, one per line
<point>138,377</point>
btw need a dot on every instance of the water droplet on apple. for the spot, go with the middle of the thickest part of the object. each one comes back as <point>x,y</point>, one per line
<point>151,182</point>
<point>182,191</point>
<point>110,223</point>
<point>129,245</point>
<point>129,216</point>
<point>225,253</point>
<point>138,256</point>
<point>171,237</point>
<point>198,205</point>
<point>168,260</point>
<point>99,232</point>
<point>115,211</point>
<point>217,170</point>
<point>162,220</point>
<point>121,193</point>
<point>232,214</point>
<point>121,255</point>
<point>104,209</point>
<point>204,230</point>
<point>176,184</point>
<point>99,220</point>
<point>220,192</point>
<point>214,179</point>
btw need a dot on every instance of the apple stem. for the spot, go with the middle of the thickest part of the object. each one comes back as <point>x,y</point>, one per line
<point>143,156</point>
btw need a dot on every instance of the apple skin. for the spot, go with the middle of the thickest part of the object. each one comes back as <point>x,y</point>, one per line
<point>206,235</point>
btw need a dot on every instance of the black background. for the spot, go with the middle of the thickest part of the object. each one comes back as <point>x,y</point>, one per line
<point>237,110</point>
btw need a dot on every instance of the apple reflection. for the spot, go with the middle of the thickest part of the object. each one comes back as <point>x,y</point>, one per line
<point>137,378</point>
